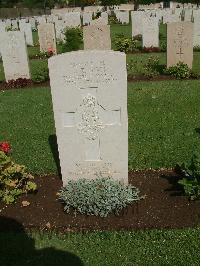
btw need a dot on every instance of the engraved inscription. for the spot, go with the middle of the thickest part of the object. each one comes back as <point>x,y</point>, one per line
<point>94,170</point>
<point>89,72</point>
<point>181,41</point>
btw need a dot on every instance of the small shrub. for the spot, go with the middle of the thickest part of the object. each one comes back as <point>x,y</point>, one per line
<point>191,181</point>
<point>151,68</point>
<point>100,196</point>
<point>124,44</point>
<point>73,40</point>
<point>14,180</point>
<point>134,67</point>
<point>40,73</point>
<point>163,46</point>
<point>179,71</point>
<point>18,83</point>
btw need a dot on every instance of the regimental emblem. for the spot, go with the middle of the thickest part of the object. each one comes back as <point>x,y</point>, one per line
<point>90,124</point>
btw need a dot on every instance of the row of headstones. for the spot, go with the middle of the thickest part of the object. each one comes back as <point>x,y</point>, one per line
<point>72,19</point>
<point>14,49</point>
<point>148,27</point>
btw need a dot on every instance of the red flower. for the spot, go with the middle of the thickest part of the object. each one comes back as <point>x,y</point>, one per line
<point>50,51</point>
<point>5,147</point>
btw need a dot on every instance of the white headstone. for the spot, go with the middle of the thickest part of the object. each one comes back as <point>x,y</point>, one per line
<point>104,16</point>
<point>2,32</point>
<point>137,17</point>
<point>15,24</point>
<point>150,35</point>
<point>196,31</point>
<point>188,15</point>
<point>124,17</point>
<point>72,19</point>
<point>99,21</point>
<point>89,92</point>
<point>180,43</point>
<point>14,56</point>
<point>97,37</point>
<point>41,20</point>
<point>47,38</point>
<point>87,18</point>
<point>60,27</point>
<point>33,23</point>
<point>27,30</point>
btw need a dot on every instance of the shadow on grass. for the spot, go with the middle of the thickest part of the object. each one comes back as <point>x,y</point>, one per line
<point>197,130</point>
<point>17,248</point>
<point>54,149</point>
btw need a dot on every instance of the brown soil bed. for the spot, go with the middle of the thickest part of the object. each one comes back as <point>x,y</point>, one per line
<point>164,207</point>
<point>139,78</point>
<point>4,86</point>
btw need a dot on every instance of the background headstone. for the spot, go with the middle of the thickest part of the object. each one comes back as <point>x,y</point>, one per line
<point>72,19</point>
<point>87,18</point>
<point>27,30</point>
<point>47,38</point>
<point>14,56</point>
<point>137,17</point>
<point>180,43</point>
<point>97,37</point>
<point>150,35</point>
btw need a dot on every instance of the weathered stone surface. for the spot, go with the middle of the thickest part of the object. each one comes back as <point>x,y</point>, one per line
<point>47,38</point>
<point>72,19</point>
<point>33,23</point>
<point>60,28</point>
<point>196,31</point>
<point>122,16</point>
<point>99,21</point>
<point>15,24</point>
<point>97,37</point>
<point>89,92</point>
<point>137,17</point>
<point>14,55</point>
<point>150,35</point>
<point>87,18</point>
<point>179,43</point>
<point>27,30</point>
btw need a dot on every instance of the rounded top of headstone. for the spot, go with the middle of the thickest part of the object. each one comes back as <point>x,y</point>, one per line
<point>86,53</point>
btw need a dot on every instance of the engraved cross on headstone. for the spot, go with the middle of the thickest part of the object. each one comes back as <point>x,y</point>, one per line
<point>90,118</point>
<point>180,41</point>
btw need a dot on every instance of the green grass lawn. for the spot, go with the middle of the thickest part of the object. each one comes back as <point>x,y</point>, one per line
<point>164,118</point>
<point>158,247</point>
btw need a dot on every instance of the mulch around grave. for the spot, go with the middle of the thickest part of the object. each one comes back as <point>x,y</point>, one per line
<point>131,79</point>
<point>164,207</point>
<point>4,86</point>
